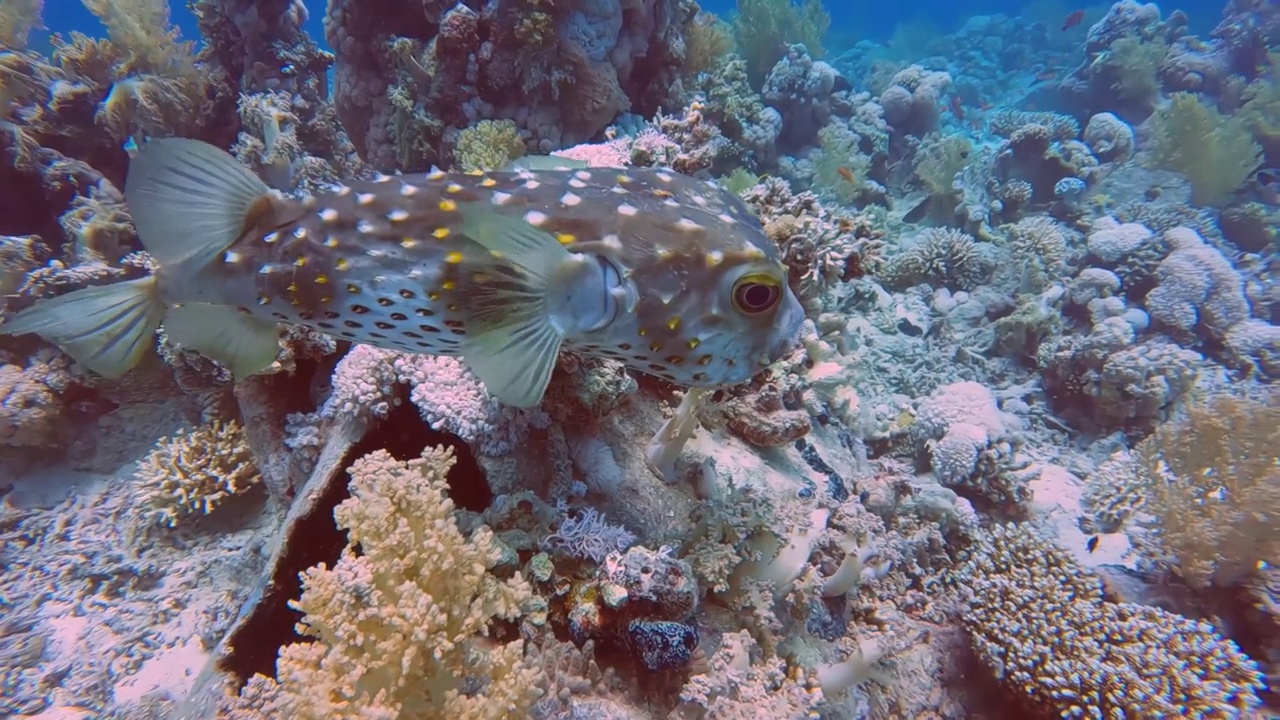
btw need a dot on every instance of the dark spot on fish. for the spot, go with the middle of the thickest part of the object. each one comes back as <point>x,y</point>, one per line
<point>331,315</point>
<point>699,377</point>
<point>410,333</point>
<point>399,316</point>
<point>383,325</point>
<point>624,346</point>
<point>423,312</point>
<point>325,326</point>
<point>352,324</point>
<point>422,344</point>
<point>656,368</point>
<point>456,331</point>
<point>379,336</point>
<point>353,288</point>
<point>452,323</point>
<point>279,316</point>
<point>407,294</point>
<point>429,328</point>
<point>348,334</point>
<point>359,309</point>
<point>386,302</point>
<point>305,315</point>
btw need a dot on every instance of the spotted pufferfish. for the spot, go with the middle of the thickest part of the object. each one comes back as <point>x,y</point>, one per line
<point>671,275</point>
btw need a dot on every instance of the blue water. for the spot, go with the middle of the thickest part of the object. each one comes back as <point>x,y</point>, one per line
<point>861,18</point>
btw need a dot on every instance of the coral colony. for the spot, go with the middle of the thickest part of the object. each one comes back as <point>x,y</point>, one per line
<point>546,360</point>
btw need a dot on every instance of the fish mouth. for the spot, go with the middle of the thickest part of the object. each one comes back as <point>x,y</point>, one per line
<point>788,340</point>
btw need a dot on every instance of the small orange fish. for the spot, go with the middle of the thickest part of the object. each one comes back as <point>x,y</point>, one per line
<point>1073,20</point>
<point>847,174</point>
<point>957,108</point>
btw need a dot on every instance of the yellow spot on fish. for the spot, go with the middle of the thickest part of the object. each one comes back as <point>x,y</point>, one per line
<point>440,233</point>
<point>448,205</point>
<point>714,258</point>
<point>353,288</point>
<point>433,296</point>
<point>321,280</point>
<point>365,198</point>
<point>694,343</point>
<point>343,190</point>
<point>331,242</point>
<point>453,188</point>
<point>408,243</point>
<point>642,332</point>
<point>488,182</point>
<point>754,253</point>
<point>662,193</point>
<point>475,173</point>
<point>435,175</point>
<point>664,177</point>
<point>449,285</point>
<point>673,323</point>
<point>398,215</point>
<point>624,179</point>
<point>341,264</point>
<point>302,260</point>
<point>293,287</point>
<point>264,300</point>
<point>566,238</point>
<point>453,258</point>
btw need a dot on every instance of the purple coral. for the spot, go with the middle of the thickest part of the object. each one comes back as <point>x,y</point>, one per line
<point>588,535</point>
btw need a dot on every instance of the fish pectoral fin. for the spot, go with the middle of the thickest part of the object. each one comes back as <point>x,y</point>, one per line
<point>515,360</point>
<point>512,343</point>
<point>190,200</point>
<point>106,328</point>
<point>242,343</point>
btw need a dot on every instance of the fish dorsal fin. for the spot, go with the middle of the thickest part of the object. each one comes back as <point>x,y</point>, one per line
<point>190,200</point>
<point>511,343</point>
<point>545,162</point>
<point>242,343</point>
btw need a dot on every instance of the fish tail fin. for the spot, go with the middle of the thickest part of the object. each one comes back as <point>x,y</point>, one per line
<point>190,200</point>
<point>106,328</point>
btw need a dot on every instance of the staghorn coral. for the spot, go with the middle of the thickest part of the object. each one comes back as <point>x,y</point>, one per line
<point>193,472</point>
<point>1038,621</point>
<point>399,621</point>
<point>1215,153</point>
<point>938,255</point>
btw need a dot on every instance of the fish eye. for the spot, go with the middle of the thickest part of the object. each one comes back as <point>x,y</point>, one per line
<point>754,294</point>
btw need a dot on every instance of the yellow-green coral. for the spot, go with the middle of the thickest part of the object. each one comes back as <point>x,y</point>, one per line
<point>938,160</point>
<point>1215,153</point>
<point>1133,64</point>
<point>763,28</point>
<point>488,145</point>
<point>840,167</point>
<point>399,621</point>
<point>192,473</point>
<point>707,41</point>
<point>1038,621</point>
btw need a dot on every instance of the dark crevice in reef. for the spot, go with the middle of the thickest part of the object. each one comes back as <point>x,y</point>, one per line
<point>315,539</point>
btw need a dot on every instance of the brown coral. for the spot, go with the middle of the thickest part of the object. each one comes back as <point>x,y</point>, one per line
<point>194,472</point>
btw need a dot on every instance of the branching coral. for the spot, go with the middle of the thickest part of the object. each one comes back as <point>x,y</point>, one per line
<point>192,473</point>
<point>1039,622</point>
<point>488,145</point>
<point>1214,152</point>
<point>399,620</point>
<point>940,255</point>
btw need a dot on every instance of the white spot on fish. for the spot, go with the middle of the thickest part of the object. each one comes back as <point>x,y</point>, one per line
<point>626,210</point>
<point>398,215</point>
<point>380,178</point>
<point>535,218</point>
<point>342,190</point>
<point>366,198</point>
<point>435,175</point>
<point>300,233</point>
<point>726,218</point>
<point>700,200</point>
<point>366,226</point>
<point>583,175</point>
<point>671,202</point>
<point>576,183</point>
<point>613,242</point>
<point>500,198</point>
<point>408,190</point>
<point>232,256</point>
<point>532,184</point>
<point>329,215</point>
<point>687,225</point>
<point>664,177</point>
<point>619,190</point>
<point>569,199</point>
<point>270,237</point>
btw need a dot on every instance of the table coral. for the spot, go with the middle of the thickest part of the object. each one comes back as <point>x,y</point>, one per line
<point>399,620</point>
<point>193,472</point>
<point>1039,623</point>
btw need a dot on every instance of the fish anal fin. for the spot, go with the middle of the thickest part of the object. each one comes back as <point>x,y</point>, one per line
<point>242,343</point>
